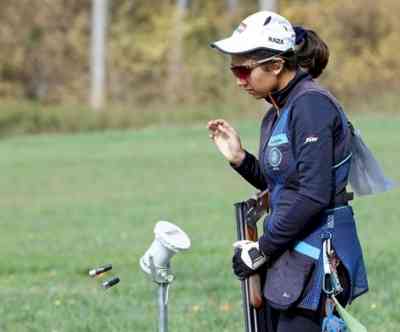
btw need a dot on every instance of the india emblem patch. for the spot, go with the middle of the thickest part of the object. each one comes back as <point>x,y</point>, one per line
<point>275,157</point>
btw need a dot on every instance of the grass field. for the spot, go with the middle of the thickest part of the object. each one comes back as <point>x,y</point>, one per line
<point>69,203</point>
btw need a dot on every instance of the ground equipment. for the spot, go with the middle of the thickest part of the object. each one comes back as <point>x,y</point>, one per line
<point>169,240</point>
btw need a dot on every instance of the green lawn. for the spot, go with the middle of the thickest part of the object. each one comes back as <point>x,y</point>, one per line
<point>69,203</point>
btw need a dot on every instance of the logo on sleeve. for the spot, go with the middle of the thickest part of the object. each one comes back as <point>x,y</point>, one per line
<point>311,139</point>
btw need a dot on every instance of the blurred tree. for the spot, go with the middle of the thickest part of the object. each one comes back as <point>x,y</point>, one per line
<point>272,5</point>
<point>161,52</point>
<point>174,87</point>
<point>98,53</point>
<point>232,6</point>
<point>41,45</point>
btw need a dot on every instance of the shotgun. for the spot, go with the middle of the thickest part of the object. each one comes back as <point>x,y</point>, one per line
<point>247,215</point>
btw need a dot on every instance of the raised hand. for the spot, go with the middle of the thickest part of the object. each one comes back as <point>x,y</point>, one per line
<point>227,140</point>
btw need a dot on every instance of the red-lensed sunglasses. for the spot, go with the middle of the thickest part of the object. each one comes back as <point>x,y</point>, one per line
<point>243,72</point>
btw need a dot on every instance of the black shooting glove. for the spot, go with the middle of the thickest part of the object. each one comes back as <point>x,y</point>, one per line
<point>240,269</point>
<point>247,259</point>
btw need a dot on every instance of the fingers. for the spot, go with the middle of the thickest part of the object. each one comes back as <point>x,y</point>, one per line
<point>241,243</point>
<point>214,124</point>
<point>215,129</point>
<point>225,130</point>
<point>221,126</point>
<point>228,126</point>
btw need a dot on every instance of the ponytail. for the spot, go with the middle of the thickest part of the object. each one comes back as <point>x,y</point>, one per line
<point>312,53</point>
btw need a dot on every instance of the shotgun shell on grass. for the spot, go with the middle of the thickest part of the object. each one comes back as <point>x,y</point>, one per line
<point>110,283</point>
<point>100,270</point>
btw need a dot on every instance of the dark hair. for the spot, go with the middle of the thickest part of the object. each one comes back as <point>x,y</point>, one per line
<point>311,54</point>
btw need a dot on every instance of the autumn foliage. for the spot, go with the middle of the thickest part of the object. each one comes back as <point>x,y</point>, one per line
<point>154,54</point>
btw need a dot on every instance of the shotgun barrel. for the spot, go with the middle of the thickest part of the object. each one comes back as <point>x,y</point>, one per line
<point>247,215</point>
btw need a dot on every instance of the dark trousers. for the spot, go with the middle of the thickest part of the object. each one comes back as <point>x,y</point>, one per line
<point>297,323</point>
<point>292,320</point>
<point>300,320</point>
<point>295,319</point>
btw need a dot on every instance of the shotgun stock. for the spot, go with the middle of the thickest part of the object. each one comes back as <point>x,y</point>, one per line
<point>247,215</point>
<point>255,284</point>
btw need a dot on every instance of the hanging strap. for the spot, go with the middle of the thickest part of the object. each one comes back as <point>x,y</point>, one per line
<point>330,282</point>
<point>331,322</point>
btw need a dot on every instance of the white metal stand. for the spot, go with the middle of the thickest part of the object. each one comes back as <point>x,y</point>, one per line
<point>163,278</point>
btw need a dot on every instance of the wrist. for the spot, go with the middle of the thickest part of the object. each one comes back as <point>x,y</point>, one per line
<point>238,159</point>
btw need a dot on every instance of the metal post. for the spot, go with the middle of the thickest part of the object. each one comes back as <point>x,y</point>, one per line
<point>98,53</point>
<point>163,278</point>
<point>163,307</point>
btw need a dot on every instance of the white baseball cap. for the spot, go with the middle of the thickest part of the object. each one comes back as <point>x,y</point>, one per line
<point>262,30</point>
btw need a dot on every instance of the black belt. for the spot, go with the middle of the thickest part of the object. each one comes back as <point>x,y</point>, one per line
<point>343,198</point>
